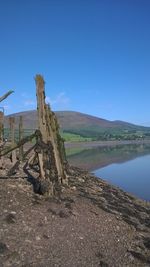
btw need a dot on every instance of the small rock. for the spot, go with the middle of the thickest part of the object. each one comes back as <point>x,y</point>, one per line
<point>68,205</point>
<point>63,214</point>
<point>10,218</point>
<point>81,180</point>
<point>147,242</point>
<point>103,264</point>
<point>13,212</point>
<point>45,219</point>
<point>28,241</point>
<point>5,211</point>
<point>3,248</point>
<point>46,236</point>
<point>73,188</point>
<point>38,238</point>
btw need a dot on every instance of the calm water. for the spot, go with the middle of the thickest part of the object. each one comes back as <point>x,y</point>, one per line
<point>132,176</point>
<point>125,166</point>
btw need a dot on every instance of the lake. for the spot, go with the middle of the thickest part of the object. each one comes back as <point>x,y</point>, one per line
<point>125,166</point>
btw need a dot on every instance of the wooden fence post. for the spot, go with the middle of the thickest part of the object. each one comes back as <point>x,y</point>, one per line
<point>50,156</point>
<point>12,136</point>
<point>1,126</point>
<point>20,138</point>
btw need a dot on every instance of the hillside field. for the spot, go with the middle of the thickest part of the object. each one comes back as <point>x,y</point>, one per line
<point>75,126</point>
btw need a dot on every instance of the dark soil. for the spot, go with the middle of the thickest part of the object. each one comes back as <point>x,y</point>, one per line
<point>91,224</point>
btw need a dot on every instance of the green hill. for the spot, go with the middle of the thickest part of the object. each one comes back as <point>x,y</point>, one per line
<point>86,126</point>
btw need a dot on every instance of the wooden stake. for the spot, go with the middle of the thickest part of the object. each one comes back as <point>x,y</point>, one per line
<point>12,134</point>
<point>51,158</point>
<point>20,138</point>
<point>1,126</point>
<point>6,95</point>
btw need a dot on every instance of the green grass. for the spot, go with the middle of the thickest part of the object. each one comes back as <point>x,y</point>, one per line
<point>104,134</point>
<point>70,137</point>
<point>91,134</point>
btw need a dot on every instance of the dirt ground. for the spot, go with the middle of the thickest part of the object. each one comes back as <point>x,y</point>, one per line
<point>92,224</point>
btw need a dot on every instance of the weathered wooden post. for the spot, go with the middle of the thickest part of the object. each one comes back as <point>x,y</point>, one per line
<point>12,136</point>
<point>2,115</point>
<point>1,136</point>
<point>1,126</point>
<point>6,95</point>
<point>50,155</point>
<point>20,138</point>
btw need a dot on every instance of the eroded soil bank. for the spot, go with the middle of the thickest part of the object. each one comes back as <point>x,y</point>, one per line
<point>91,224</point>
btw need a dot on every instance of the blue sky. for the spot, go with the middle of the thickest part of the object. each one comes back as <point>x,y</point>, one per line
<point>94,56</point>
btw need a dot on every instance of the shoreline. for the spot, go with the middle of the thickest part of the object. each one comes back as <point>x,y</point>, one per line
<point>92,144</point>
<point>92,223</point>
<point>96,157</point>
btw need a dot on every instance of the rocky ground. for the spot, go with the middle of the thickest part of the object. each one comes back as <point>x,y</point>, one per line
<point>91,224</point>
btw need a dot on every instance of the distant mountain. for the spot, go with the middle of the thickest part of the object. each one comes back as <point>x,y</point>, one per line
<point>79,123</point>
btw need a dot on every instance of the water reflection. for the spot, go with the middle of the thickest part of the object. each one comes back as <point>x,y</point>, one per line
<point>126,166</point>
<point>132,176</point>
<point>92,159</point>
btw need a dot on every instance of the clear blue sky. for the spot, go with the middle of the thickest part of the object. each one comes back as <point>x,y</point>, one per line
<point>94,56</point>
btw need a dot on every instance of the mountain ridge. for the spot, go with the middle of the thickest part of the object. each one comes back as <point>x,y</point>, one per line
<point>78,123</point>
